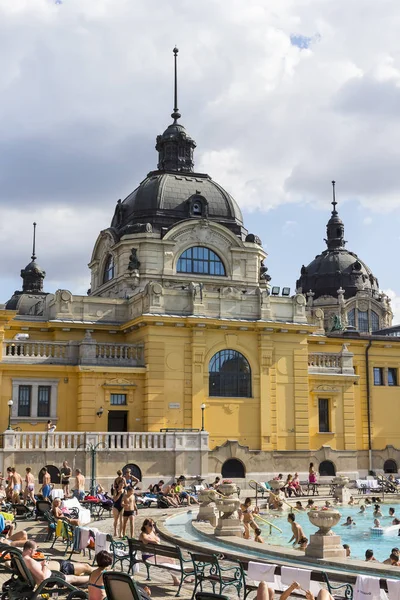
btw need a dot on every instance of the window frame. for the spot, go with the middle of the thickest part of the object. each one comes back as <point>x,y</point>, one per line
<point>392,371</point>
<point>28,405</point>
<point>218,383</point>
<point>109,269</point>
<point>212,260</point>
<point>35,383</point>
<point>113,394</point>
<point>379,370</point>
<point>41,388</point>
<point>324,411</point>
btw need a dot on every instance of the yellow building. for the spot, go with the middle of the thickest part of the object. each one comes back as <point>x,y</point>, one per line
<point>180,332</point>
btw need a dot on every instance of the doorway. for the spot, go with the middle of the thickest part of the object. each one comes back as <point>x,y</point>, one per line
<point>118,420</point>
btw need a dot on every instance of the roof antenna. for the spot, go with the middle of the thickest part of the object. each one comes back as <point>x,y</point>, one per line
<point>334,203</point>
<point>34,242</point>
<point>176,114</point>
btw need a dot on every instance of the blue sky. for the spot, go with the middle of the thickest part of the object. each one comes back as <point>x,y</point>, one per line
<point>281,96</point>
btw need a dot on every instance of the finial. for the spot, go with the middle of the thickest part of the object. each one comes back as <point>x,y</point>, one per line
<point>34,242</point>
<point>334,203</point>
<point>176,114</point>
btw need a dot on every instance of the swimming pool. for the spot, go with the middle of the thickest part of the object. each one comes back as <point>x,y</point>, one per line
<point>358,537</point>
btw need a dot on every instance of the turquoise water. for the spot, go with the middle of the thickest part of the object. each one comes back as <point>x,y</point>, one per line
<point>358,537</point>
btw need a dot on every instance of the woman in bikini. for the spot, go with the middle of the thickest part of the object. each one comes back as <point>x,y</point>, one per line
<point>247,511</point>
<point>58,513</point>
<point>148,536</point>
<point>29,491</point>
<point>117,510</point>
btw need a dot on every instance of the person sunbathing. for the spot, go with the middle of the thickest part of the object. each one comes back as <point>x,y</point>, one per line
<point>96,585</point>
<point>148,536</point>
<point>58,513</point>
<point>74,573</point>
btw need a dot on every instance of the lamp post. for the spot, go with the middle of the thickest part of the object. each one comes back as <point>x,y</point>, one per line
<point>203,406</point>
<point>10,403</point>
<point>93,449</point>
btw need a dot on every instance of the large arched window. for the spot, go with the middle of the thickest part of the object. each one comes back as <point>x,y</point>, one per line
<point>109,269</point>
<point>230,375</point>
<point>200,261</point>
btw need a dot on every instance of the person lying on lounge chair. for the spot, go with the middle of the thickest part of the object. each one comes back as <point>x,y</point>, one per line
<point>72,572</point>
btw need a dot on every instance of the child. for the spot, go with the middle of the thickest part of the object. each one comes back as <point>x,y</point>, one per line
<point>257,536</point>
<point>129,506</point>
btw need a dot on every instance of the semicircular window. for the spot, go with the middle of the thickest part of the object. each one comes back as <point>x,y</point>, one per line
<point>200,260</point>
<point>109,269</point>
<point>229,375</point>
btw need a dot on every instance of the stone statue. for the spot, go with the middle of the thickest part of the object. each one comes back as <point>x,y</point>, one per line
<point>336,323</point>
<point>310,298</point>
<point>134,262</point>
<point>119,212</point>
<point>196,288</point>
<point>264,272</point>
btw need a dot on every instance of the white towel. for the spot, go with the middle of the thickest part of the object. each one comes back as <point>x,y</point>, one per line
<point>262,572</point>
<point>302,576</point>
<point>101,542</point>
<point>393,589</point>
<point>84,538</point>
<point>367,588</point>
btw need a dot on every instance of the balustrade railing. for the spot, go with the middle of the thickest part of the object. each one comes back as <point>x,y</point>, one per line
<point>103,441</point>
<point>36,351</point>
<point>120,353</point>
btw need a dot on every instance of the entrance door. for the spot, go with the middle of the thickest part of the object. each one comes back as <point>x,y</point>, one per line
<point>118,420</point>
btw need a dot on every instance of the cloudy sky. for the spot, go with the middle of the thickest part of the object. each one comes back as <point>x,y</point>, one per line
<point>281,96</point>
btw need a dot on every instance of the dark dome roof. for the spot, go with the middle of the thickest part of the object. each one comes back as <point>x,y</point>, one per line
<point>163,199</point>
<point>337,267</point>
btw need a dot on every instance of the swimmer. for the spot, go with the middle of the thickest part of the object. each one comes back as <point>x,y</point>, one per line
<point>298,537</point>
<point>349,522</point>
<point>377,512</point>
<point>391,512</point>
<point>368,501</point>
<point>352,502</point>
<point>395,551</point>
<point>362,509</point>
<point>369,556</point>
<point>377,523</point>
<point>310,505</point>
<point>246,511</point>
<point>327,504</point>
<point>299,505</point>
<point>348,551</point>
<point>257,536</point>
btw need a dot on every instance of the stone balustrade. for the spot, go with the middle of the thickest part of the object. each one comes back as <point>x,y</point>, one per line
<point>145,441</point>
<point>331,363</point>
<point>88,352</point>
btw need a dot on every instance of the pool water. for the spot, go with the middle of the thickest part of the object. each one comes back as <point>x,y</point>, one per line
<point>358,537</point>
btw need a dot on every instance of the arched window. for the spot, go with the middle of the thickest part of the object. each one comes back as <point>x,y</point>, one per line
<point>327,469</point>
<point>233,469</point>
<point>230,375</point>
<point>135,471</point>
<point>374,321</point>
<point>109,269</point>
<point>363,324</point>
<point>390,466</point>
<point>200,261</point>
<point>351,317</point>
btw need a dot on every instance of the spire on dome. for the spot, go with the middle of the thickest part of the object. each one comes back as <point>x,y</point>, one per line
<point>175,147</point>
<point>33,275</point>
<point>335,227</point>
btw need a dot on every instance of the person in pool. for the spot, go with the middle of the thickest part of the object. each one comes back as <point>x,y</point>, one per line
<point>247,511</point>
<point>257,536</point>
<point>348,523</point>
<point>298,537</point>
<point>396,552</point>
<point>369,556</point>
<point>377,512</point>
<point>377,523</point>
<point>310,505</point>
<point>362,509</point>
<point>299,505</point>
<point>347,549</point>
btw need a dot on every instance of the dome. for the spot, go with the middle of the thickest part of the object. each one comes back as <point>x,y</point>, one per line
<point>165,198</point>
<point>337,267</point>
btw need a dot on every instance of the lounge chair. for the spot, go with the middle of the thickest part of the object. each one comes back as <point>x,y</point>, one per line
<point>23,586</point>
<point>42,506</point>
<point>120,586</point>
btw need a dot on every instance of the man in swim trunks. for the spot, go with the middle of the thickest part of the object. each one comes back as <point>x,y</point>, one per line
<point>66,473</point>
<point>16,483</point>
<point>298,536</point>
<point>46,487</point>
<point>75,573</point>
<point>130,509</point>
<point>29,491</point>
<point>79,491</point>
<point>394,552</point>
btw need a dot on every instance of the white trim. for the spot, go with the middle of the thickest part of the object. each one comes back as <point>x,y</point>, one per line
<point>35,383</point>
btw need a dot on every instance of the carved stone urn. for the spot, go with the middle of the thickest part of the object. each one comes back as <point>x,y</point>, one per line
<point>227,505</point>
<point>342,492</point>
<point>324,543</point>
<point>207,506</point>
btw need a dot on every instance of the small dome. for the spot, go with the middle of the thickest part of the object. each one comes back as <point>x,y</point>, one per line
<point>337,267</point>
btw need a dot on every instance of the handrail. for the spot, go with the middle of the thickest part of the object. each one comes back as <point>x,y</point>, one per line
<point>268,523</point>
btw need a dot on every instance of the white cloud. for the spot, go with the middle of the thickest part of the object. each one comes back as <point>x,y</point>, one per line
<point>86,87</point>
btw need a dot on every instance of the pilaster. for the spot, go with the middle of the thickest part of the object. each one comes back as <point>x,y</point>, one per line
<point>301,395</point>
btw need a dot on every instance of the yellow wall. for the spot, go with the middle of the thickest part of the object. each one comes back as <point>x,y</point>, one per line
<point>281,415</point>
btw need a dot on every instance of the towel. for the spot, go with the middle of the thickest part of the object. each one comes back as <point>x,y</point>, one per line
<point>77,538</point>
<point>302,576</point>
<point>85,533</point>
<point>262,572</point>
<point>366,588</point>
<point>101,542</point>
<point>393,589</point>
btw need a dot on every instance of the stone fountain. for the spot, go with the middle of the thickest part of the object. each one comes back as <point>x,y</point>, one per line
<point>342,492</point>
<point>324,543</point>
<point>228,520</point>
<point>207,511</point>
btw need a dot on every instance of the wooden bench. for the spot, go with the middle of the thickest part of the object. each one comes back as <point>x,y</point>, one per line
<point>155,553</point>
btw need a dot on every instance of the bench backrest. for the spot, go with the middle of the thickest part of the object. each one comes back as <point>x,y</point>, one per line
<point>120,586</point>
<point>154,549</point>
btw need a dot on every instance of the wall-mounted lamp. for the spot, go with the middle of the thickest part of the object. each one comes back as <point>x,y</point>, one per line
<point>100,411</point>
